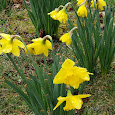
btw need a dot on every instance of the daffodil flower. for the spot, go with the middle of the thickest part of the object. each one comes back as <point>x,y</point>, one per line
<point>82,11</point>
<point>39,46</point>
<point>10,45</point>
<point>72,101</point>
<point>53,14</point>
<point>71,75</point>
<point>100,4</point>
<point>62,16</point>
<point>67,37</point>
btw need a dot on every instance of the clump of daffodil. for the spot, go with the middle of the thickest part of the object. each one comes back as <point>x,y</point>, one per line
<point>67,37</point>
<point>60,15</point>
<point>100,4</point>
<point>10,44</point>
<point>82,11</point>
<point>39,46</point>
<point>71,75</point>
<point>72,101</point>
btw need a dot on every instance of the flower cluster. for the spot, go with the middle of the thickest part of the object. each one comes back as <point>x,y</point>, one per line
<point>73,76</point>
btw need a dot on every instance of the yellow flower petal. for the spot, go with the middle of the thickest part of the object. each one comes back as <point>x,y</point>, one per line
<point>68,63</point>
<point>82,11</point>
<point>18,43</point>
<point>15,50</point>
<point>53,14</point>
<point>31,50</point>
<point>6,36</point>
<point>62,16</point>
<point>7,48</point>
<point>61,100</point>
<point>83,95</point>
<point>48,44</point>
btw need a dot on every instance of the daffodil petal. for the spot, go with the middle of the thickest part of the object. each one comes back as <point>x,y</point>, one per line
<point>6,36</point>
<point>60,101</point>
<point>15,50</point>
<point>83,95</point>
<point>18,43</point>
<point>48,44</point>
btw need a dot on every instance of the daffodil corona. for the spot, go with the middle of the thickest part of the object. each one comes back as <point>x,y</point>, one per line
<point>71,75</point>
<point>10,45</point>
<point>72,101</point>
<point>39,46</point>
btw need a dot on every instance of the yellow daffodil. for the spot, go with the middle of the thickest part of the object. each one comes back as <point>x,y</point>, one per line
<point>62,16</point>
<point>71,75</point>
<point>39,46</point>
<point>66,38</point>
<point>72,101</point>
<point>0,50</point>
<point>82,11</point>
<point>10,45</point>
<point>100,4</point>
<point>53,14</point>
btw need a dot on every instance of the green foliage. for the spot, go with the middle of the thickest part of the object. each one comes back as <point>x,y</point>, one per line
<point>40,93</point>
<point>107,48</point>
<point>39,15</point>
<point>90,43</point>
<point>3,4</point>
